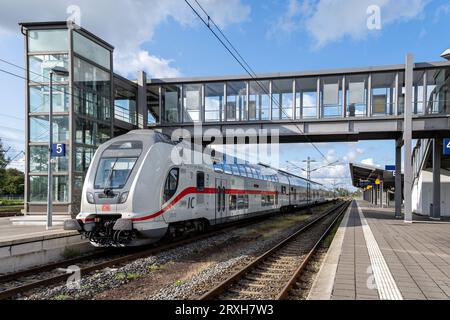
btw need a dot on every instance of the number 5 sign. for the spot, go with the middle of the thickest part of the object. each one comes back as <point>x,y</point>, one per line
<point>58,150</point>
<point>446,146</point>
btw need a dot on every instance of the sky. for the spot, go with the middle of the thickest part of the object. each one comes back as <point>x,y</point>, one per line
<point>166,39</point>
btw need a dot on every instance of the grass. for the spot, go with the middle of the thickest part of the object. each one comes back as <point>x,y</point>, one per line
<point>132,276</point>
<point>315,266</point>
<point>153,267</point>
<point>120,276</point>
<point>128,276</point>
<point>70,253</point>
<point>7,202</point>
<point>271,227</point>
<point>179,283</point>
<point>62,297</point>
<point>11,209</point>
<point>327,241</point>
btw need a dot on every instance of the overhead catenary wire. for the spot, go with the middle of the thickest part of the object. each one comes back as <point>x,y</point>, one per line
<point>244,64</point>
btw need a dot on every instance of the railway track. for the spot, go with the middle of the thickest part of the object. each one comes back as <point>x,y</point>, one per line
<point>24,281</point>
<point>274,273</point>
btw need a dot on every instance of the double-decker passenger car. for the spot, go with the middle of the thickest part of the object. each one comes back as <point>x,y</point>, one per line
<point>134,193</point>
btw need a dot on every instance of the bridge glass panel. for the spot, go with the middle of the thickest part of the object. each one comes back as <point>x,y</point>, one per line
<point>153,104</point>
<point>214,101</point>
<point>192,102</point>
<point>383,93</point>
<point>48,40</point>
<point>401,93</point>
<point>331,88</point>
<point>41,65</point>
<point>259,100</point>
<point>356,95</point>
<point>282,99</point>
<point>306,98</point>
<point>171,102</point>
<point>236,108</point>
<point>92,92</point>
<point>125,106</point>
<point>418,91</point>
<point>438,91</point>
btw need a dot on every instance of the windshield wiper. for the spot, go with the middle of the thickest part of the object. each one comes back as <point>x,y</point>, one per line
<point>107,191</point>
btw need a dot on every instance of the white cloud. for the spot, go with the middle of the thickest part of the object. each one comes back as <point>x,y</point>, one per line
<point>131,63</point>
<point>352,154</point>
<point>331,20</point>
<point>126,24</point>
<point>370,162</point>
<point>441,11</point>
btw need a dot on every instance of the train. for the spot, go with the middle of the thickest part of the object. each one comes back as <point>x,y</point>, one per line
<point>134,193</point>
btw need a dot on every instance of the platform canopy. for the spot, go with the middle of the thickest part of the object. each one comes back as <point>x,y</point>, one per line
<point>363,175</point>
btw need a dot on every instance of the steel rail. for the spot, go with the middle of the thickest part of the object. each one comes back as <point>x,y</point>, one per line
<point>285,291</point>
<point>5,294</point>
<point>224,285</point>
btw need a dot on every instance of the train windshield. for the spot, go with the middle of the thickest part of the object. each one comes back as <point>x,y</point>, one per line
<point>113,173</point>
<point>116,164</point>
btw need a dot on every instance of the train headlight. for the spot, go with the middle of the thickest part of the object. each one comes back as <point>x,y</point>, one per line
<point>90,197</point>
<point>123,197</point>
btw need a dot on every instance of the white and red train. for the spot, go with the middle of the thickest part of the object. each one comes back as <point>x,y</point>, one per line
<point>134,194</point>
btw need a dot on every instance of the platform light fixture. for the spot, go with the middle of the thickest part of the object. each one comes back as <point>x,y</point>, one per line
<point>446,54</point>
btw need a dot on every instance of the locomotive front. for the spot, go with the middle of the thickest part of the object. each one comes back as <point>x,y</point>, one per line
<point>106,216</point>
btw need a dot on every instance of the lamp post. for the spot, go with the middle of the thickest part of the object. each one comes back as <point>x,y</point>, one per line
<point>63,73</point>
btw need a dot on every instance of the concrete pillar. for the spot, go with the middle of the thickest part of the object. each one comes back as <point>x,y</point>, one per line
<point>375,191</point>
<point>398,178</point>
<point>437,149</point>
<point>407,137</point>
<point>381,194</point>
<point>142,100</point>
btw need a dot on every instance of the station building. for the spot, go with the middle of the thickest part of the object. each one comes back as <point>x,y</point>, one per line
<point>94,104</point>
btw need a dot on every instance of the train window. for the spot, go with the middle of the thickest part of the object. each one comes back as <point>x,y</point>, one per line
<point>283,189</point>
<point>240,202</point>
<point>232,201</point>
<point>242,171</point>
<point>218,167</point>
<point>170,187</point>
<point>235,169</point>
<point>200,180</point>
<point>227,168</point>
<point>113,173</point>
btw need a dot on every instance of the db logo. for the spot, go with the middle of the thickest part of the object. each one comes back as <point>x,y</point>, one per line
<point>106,207</point>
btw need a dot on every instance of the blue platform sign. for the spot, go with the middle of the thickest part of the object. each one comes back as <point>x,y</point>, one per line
<point>446,146</point>
<point>58,150</point>
<point>389,167</point>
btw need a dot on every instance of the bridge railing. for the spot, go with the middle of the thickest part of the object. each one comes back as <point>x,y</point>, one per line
<point>306,98</point>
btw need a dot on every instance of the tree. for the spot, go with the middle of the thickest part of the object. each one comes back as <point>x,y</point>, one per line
<point>3,159</point>
<point>12,182</point>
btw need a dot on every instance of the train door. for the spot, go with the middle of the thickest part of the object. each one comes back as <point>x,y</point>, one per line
<point>221,205</point>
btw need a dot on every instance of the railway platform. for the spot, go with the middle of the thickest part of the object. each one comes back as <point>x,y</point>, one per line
<point>374,256</point>
<point>24,246</point>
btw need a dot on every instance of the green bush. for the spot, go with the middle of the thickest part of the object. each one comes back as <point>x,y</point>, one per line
<point>8,202</point>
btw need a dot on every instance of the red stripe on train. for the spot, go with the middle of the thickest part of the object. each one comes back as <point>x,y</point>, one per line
<point>193,190</point>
